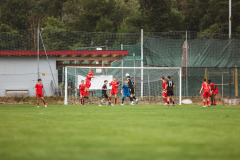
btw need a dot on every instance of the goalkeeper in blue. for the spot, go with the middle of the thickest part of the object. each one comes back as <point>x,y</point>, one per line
<point>126,93</point>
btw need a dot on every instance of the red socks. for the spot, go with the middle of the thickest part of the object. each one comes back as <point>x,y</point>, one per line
<point>115,100</point>
<point>44,103</point>
<point>109,98</point>
<point>165,99</point>
<point>82,100</point>
<point>87,93</point>
<point>204,103</point>
<point>208,102</point>
<point>214,102</point>
<point>38,104</point>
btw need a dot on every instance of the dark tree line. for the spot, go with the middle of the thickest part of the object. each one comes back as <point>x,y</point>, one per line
<point>119,15</point>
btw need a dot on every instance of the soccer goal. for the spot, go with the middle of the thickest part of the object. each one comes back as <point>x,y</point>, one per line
<point>147,79</point>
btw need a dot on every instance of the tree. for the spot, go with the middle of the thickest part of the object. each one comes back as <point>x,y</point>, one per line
<point>160,15</point>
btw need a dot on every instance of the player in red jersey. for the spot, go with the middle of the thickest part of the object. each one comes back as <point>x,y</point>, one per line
<point>214,92</point>
<point>164,91</point>
<point>39,92</point>
<point>114,85</point>
<point>206,92</point>
<point>82,91</point>
<point>88,81</point>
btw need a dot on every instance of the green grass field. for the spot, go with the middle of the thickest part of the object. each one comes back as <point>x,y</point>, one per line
<point>119,132</point>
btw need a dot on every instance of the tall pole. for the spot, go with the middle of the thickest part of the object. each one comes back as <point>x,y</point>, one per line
<point>186,65</point>
<point>180,86</point>
<point>134,65</point>
<point>122,64</point>
<point>76,79</point>
<point>38,52</point>
<point>222,85</point>
<point>142,63</point>
<point>230,18</point>
<point>65,96</point>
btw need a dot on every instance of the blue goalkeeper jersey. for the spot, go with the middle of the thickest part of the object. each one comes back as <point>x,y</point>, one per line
<point>125,89</point>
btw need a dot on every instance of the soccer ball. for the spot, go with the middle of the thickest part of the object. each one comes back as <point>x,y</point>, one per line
<point>127,74</point>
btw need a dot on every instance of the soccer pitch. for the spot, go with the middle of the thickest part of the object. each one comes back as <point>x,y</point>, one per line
<point>119,132</point>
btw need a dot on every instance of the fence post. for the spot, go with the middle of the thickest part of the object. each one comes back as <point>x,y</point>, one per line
<point>122,64</point>
<point>186,65</point>
<point>236,81</point>
<point>66,98</point>
<point>142,63</point>
<point>149,92</point>
<point>222,85</point>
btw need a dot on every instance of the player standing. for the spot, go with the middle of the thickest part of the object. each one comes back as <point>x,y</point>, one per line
<point>170,87</point>
<point>206,92</point>
<point>82,92</point>
<point>88,81</point>
<point>39,92</point>
<point>214,92</point>
<point>131,86</point>
<point>114,85</point>
<point>104,93</point>
<point>164,91</point>
<point>125,92</point>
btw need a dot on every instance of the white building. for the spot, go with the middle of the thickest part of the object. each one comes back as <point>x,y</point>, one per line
<point>19,69</point>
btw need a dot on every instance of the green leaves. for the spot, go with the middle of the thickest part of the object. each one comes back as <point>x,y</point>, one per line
<point>120,15</point>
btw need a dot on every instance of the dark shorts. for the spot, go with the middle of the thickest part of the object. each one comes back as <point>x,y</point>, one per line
<point>131,90</point>
<point>170,93</point>
<point>104,96</point>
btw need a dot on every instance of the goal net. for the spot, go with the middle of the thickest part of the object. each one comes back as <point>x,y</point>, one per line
<point>147,79</point>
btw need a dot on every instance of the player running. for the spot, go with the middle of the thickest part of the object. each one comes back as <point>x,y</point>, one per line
<point>88,81</point>
<point>214,92</point>
<point>131,86</point>
<point>164,91</point>
<point>170,87</point>
<point>206,92</point>
<point>114,85</point>
<point>125,92</point>
<point>104,93</point>
<point>82,91</point>
<point>39,92</point>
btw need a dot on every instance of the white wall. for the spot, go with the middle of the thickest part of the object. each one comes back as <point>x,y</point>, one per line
<point>20,73</point>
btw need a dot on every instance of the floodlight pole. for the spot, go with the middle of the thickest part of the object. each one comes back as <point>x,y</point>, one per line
<point>142,63</point>
<point>230,18</point>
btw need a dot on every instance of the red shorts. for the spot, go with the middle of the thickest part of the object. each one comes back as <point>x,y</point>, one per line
<point>164,94</point>
<point>206,94</point>
<point>82,93</point>
<point>216,91</point>
<point>113,92</point>
<point>88,84</point>
<point>39,95</point>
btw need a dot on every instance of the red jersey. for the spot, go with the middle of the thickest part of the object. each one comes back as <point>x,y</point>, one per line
<point>39,87</point>
<point>88,76</point>
<point>113,84</point>
<point>212,86</point>
<point>205,86</point>
<point>164,83</point>
<point>82,87</point>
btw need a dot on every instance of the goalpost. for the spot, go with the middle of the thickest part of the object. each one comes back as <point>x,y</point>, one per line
<point>147,79</point>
